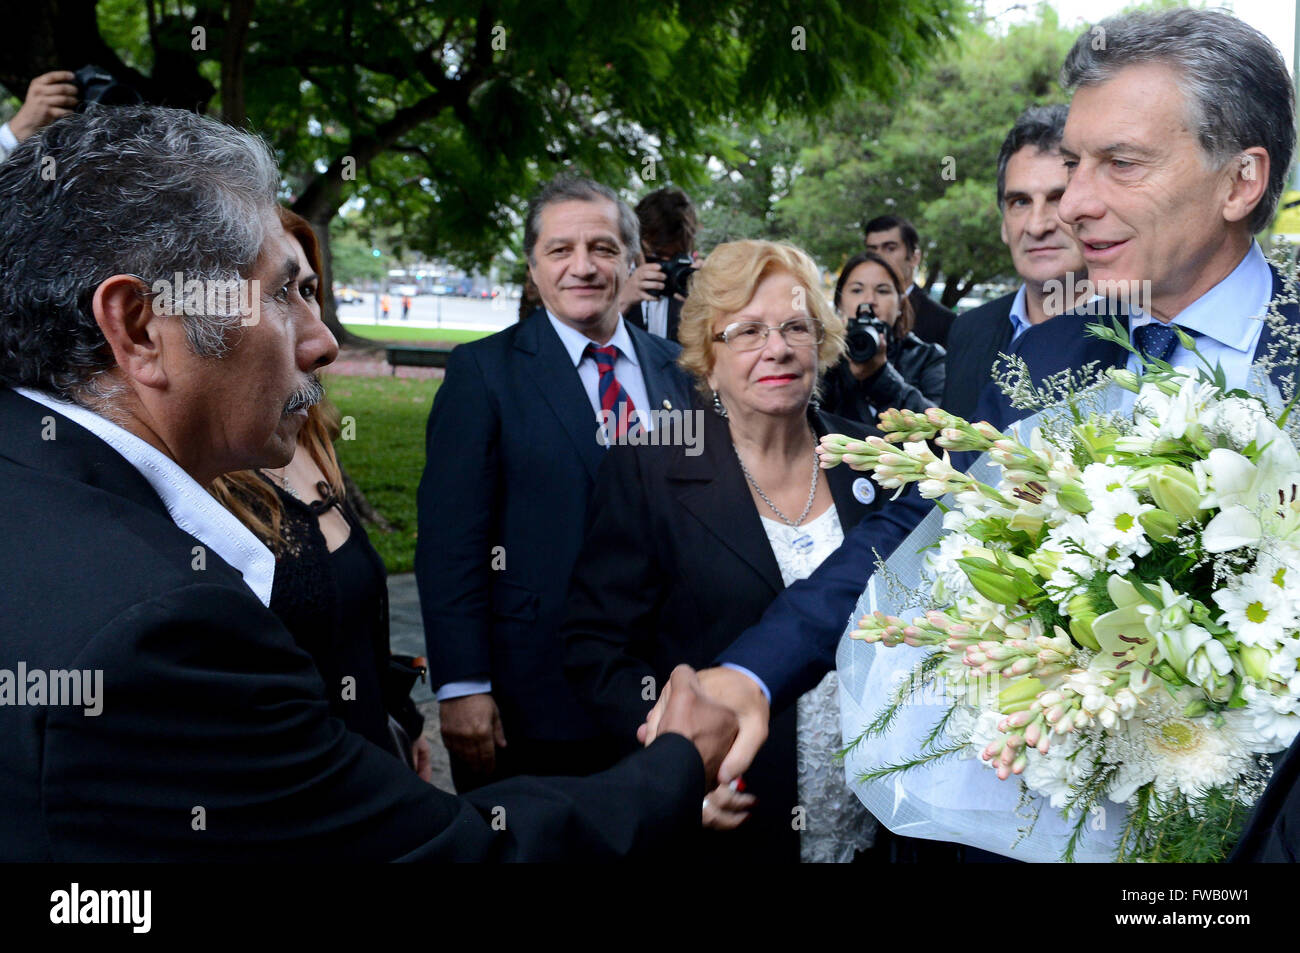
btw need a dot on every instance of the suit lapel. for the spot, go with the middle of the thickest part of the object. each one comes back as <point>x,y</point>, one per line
<point>549,366</point>
<point>712,488</point>
<point>656,359</point>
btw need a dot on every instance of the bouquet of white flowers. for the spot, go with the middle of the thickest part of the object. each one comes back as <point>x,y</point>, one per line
<point>1118,615</point>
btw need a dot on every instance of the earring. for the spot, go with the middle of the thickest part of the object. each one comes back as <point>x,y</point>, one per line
<point>717,406</point>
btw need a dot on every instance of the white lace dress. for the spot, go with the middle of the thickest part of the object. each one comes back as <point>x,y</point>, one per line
<point>837,825</point>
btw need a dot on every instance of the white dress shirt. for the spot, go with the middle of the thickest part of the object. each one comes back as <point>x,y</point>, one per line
<point>656,318</point>
<point>627,367</point>
<point>1228,318</point>
<point>192,508</point>
<point>8,142</point>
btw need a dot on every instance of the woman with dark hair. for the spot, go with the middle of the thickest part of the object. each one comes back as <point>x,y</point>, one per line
<point>904,371</point>
<point>330,587</point>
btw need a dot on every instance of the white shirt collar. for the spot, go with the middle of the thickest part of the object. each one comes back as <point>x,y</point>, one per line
<point>1229,312</point>
<point>575,342</point>
<point>191,507</point>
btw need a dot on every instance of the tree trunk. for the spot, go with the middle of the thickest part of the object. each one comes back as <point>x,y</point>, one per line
<point>954,289</point>
<point>232,62</point>
<point>328,312</point>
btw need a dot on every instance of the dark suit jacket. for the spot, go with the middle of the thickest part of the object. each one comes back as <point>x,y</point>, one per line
<point>676,562</point>
<point>932,320</point>
<point>208,703</point>
<point>512,458</point>
<point>974,341</point>
<point>1063,342</point>
<point>793,645</point>
<point>635,316</point>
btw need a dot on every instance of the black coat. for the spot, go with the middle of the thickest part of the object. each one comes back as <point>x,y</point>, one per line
<point>911,379</point>
<point>932,320</point>
<point>512,457</point>
<point>676,563</point>
<point>974,342</point>
<point>208,703</point>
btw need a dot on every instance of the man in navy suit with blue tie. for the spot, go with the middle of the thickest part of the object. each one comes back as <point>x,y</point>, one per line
<point>514,440</point>
<point>1178,146</point>
<point>1180,135</point>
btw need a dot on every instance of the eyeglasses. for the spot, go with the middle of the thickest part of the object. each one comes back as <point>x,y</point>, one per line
<point>752,335</point>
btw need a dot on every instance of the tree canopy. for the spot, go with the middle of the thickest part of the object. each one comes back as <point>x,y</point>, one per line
<point>930,157</point>
<point>442,117</point>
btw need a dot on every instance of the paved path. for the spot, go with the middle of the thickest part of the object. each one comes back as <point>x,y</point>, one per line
<point>406,637</point>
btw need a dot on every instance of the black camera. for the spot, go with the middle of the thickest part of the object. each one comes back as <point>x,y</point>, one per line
<point>97,85</point>
<point>862,332</point>
<point>677,274</point>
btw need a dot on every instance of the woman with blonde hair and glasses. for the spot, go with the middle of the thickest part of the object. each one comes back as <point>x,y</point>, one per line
<point>687,543</point>
<point>330,588</point>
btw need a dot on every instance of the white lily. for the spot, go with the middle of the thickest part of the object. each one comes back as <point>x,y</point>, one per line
<point>1250,494</point>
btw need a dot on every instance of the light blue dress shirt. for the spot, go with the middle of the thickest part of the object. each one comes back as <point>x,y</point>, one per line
<point>1228,317</point>
<point>1019,315</point>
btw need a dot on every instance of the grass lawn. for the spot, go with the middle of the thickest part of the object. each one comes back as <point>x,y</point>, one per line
<point>386,456</point>
<point>389,333</point>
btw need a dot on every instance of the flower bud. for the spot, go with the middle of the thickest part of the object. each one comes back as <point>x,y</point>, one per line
<point>1125,379</point>
<point>990,582</point>
<point>1073,498</point>
<point>1254,661</point>
<point>1174,489</point>
<point>1021,690</point>
<point>1160,525</point>
<point>1082,615</point>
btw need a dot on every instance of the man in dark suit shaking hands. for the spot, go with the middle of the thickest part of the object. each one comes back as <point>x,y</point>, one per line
<point>153,335</point>
<point>1031,180</point>
<point>513,448</point>
<point>1178,144</point>
<point>1179,137</point>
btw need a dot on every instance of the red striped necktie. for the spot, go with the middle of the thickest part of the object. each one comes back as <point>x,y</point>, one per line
<point>610,390</point>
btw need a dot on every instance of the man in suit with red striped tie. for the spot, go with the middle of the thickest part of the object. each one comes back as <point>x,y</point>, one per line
<point>517,431</point>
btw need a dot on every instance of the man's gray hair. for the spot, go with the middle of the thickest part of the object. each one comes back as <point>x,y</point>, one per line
<point>565,188</point>
<point>134,190</point>
<point>1238,88</point>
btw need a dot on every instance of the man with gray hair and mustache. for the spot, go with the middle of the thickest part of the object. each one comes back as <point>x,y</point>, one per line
<point>119,403</point>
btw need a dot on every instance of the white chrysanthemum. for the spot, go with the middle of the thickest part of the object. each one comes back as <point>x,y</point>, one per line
<point>1276,718</point>
<point>1256,610</point>
<point>1113,522</point>
<point>1235,419</point>
<point>1102,479</point>
<point>1055,774</point>
<point>985,730</point>
<point>951,582</point>
<point>1181,754</point>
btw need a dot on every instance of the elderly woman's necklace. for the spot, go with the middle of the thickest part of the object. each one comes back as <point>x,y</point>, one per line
<point>803,542</point>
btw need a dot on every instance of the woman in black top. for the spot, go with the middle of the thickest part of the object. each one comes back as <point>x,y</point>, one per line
<point>330,587</point>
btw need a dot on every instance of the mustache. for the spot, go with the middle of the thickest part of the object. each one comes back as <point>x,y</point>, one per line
<point>310,393</point>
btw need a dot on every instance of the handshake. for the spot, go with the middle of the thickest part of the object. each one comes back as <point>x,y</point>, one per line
<point>725,715</point>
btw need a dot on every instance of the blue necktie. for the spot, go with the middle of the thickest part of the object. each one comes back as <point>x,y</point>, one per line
<point>1155,340</point>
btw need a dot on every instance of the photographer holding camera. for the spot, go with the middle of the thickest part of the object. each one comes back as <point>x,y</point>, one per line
<point>887,365</point>
<point>49,96</point>
<point>653,295</point>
